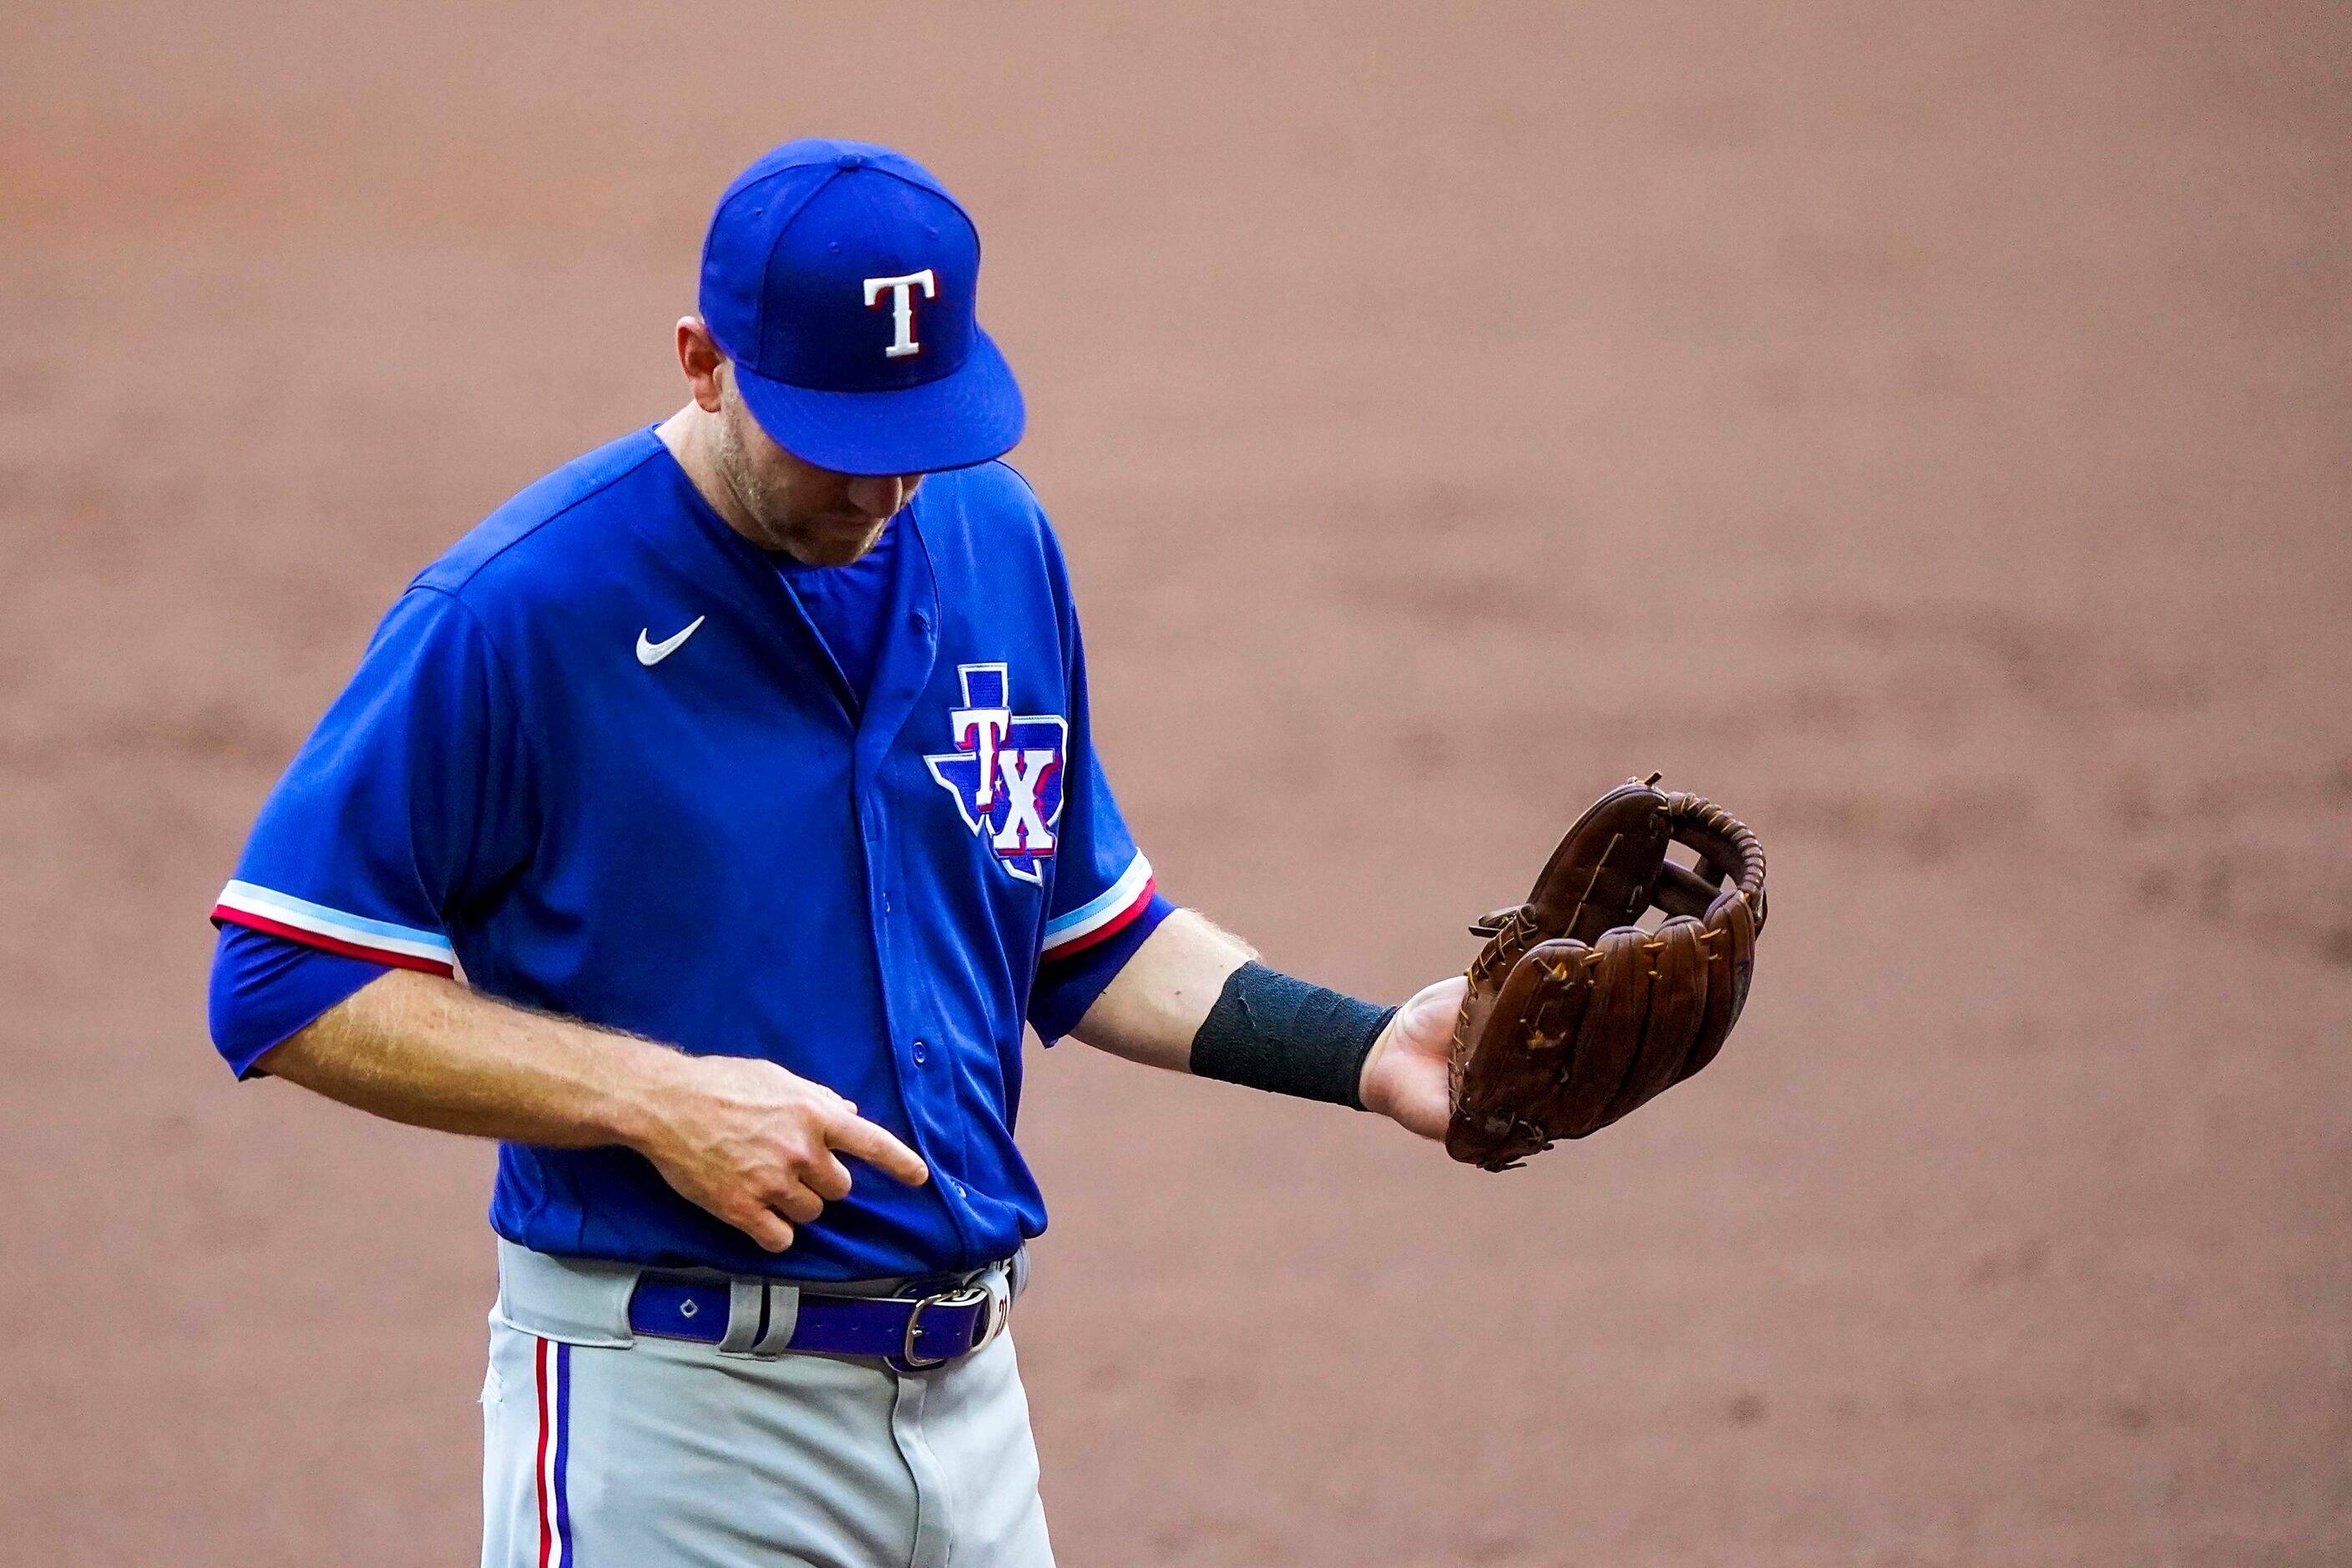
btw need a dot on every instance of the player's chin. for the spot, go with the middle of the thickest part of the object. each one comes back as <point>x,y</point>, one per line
<point>835,543</point>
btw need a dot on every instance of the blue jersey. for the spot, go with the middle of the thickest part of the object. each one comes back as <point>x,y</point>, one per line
<point>599,757</point>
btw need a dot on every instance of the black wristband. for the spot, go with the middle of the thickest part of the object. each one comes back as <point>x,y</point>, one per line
<point>1285,1036</point>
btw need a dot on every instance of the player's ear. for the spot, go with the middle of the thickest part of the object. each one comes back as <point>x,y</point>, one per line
<point>699,357</point>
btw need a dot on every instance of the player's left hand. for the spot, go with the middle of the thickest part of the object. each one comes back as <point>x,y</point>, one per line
<point>1405,1076</point>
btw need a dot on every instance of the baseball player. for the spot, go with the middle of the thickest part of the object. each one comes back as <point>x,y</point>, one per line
<point>705,826</point>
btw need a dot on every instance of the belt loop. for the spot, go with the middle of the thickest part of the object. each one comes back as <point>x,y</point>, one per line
<point>745,1300</point>
<point>1019,1272</point>
<point>784,1316</point>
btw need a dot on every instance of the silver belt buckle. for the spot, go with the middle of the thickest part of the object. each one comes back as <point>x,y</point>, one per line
<point>963,1296</point>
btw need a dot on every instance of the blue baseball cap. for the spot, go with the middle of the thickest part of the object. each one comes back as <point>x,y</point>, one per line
<point>840,279</point>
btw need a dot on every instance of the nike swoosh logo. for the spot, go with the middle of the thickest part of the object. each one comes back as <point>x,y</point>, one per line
<point>651,653</point>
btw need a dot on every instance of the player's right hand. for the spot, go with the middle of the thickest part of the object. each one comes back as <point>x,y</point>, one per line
<point>759,1146</point>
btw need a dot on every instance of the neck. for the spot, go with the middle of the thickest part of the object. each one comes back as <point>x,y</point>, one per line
<point>691,435</point>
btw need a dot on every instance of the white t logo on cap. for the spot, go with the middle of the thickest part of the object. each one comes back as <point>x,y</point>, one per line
<point>902,307</point>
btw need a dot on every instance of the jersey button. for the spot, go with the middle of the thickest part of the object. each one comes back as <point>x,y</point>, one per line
<point>922,1053</point>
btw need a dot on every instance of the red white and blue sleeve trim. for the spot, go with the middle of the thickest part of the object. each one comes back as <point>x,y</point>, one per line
<point>336,930</point>
<point>1101,918</point>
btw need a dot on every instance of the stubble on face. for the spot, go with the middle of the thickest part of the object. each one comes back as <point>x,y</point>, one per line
<point>787,505</point>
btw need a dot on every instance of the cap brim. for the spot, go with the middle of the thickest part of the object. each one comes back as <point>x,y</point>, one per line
<point>970,414</point>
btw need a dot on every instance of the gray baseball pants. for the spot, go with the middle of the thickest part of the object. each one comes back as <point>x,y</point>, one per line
<point>603,1449</point>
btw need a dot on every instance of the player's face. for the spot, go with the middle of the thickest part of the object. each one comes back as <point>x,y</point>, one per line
<point>810,513</point>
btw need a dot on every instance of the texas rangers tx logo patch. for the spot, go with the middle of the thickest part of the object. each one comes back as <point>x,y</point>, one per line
<point>1005,771</point>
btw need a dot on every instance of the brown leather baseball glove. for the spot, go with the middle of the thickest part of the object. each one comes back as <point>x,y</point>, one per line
<point>1575,1014</point>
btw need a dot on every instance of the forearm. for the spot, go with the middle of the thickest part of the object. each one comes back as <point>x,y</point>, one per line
<point>1191,999</point>
<point>1155,1005</point>
<point>424,1050</point>
<point>751,1143</point>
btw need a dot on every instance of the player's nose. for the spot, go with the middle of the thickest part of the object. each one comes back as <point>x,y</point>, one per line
<point>880,496</point>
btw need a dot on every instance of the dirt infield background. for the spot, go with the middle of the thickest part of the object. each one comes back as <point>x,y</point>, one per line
<point>1927,434</point>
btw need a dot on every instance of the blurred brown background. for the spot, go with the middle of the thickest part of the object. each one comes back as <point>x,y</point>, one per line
<point>1923,429</point>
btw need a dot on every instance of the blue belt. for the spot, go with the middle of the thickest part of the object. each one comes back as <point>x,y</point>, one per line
<point>911,1332</point>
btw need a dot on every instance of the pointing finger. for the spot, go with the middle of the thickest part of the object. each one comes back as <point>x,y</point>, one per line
<point>856,1135</point>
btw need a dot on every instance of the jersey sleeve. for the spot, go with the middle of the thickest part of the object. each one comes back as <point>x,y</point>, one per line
<point>266,988</point>
<point>1103,885</point>
<point>410,800</point>
<point>1066,987</point>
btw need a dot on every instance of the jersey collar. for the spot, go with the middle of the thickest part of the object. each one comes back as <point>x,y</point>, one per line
<point>695,540</point>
